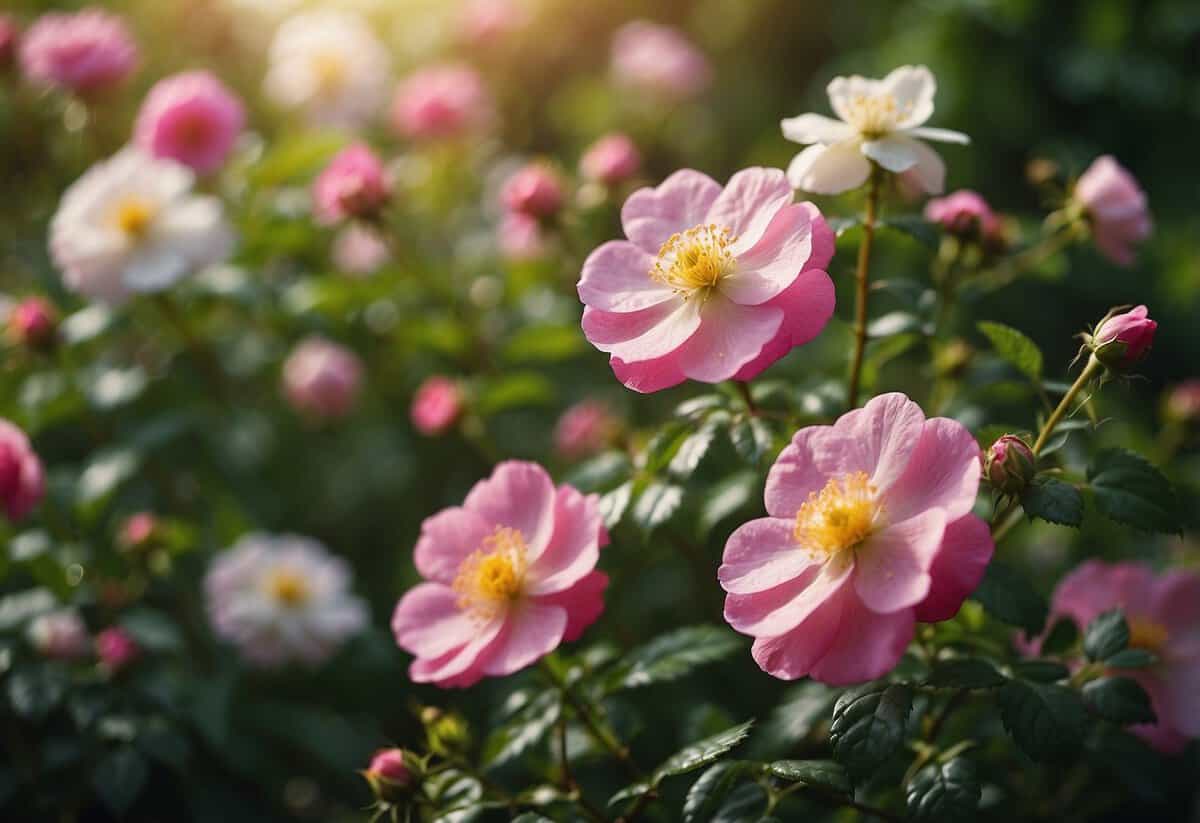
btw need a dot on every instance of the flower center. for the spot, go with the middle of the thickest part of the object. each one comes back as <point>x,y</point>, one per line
<point>133,217</point>
<point>1146,634</point>
<point>492,576</point>
<point>839,516</point>
<point>288,587</point>
<point>330,72</point>
<point>874,115</point>
<point>695,260</point>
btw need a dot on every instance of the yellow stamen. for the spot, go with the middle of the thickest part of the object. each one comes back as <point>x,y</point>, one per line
<point>839,516</point>
<point>133,217</point>
<point>1146,634</point>
<point>330,71</point>
<point>874,115</point>
<point>492,576</point>
<point>288,587</point>
<point>695,260</point>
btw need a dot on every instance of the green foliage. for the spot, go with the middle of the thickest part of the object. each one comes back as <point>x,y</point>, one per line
<point>1118,699</point>
<point>1053,501</point>
<point>1007,595</point>
<point>965,673</point>
<point>1130,490</point>
<point>1106,636</point>
<point>868,725</point>
<point>671,656</point>
<point>944,792</point>
<point>1015,348</point>
<point>1046,720</point>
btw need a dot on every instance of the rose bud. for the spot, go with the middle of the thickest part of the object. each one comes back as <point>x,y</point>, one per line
<point>1182,403</point>
<point>322,379</point>
<point>354,184</point>
<point>116,649</point>
<point>1116,208</point>
<point>34,323</point>
<point>1009,465</point>
<point>534,190</point>
<point>447,733</point>
<point>22,481</point>
<point>1121,340</point>
<point>612,159</point>
<point>436,405</point>
<point>389,775</point>
<point>138,531</point>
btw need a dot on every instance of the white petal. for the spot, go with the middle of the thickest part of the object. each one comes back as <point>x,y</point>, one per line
<point>155,268</point>
<point>930,171</point>
<point>829,169</point>
<point>815,128</point>
<point>195,228</point>
<point>939,135</point>
<point>894,152</point>
<point>842,90</point>
<point>913,88</point>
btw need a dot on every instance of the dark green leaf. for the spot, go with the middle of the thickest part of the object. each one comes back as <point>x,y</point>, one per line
<point>692,451</point>
<point>747,804</point>
<point>751,438</point>
<point>868,724</point>
<point>916,227</point>
<point>531,817</point>
<point>1130,490</point>
<point>1007,595</point>
<point>601,473</point>
<point>1061,637</point>
<point>523,730</point>
<point>709,791</point>
<point>1014,348</point>
<point>965,673</point>
<point>35,690</point>
<point>944,793</point>
<point>119,778</point>
<point>1119,699</point>
<point>152,629</point>
<point>631,791</point>
<point>1127,758</point>
<point>672,655</point>
<point>1053,501</point>
<point>701,405</point>
<point>1043,671</point>
<point>1131,659</point>
<point>1106,635</point>
<point>656,505</point>
<point>702,753</point>
<point>823,774</point>
<point>1047,721</point>
<point>727,497</point>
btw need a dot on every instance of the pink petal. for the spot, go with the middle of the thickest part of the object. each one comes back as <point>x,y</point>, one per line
<point>1176,602</point>
<point>616,277</point>
<point>893,565</point>
<point>749,202</point>
<point>1180,703</point>
<point>584,603</point>
<point>651,216</point>
<point>777,611</point>
<point>518,495</point>
<point>574,546</point>
<point>647,376</point>
<point>774,262</point>
<point>428,622</point>
<point>957,569</point>
<point>729,337</point>
<point>878,439</point>
<point>824,240</point>
<point>463,666</point>
<point>446,539</point>
<point>943,472</point>
<point>807,306</point>
<point>868,645</point>
<point>672,332</point>
<point>531,632</point>
<point>792,655</point>
<point>760,555</point>
<point>795,474</point>
<point>603,327</point>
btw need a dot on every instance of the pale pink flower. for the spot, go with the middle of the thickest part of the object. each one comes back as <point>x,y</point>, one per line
<point>509,576</point>
<point>1116,207</point>
<point>486,22</point>
<point>354,184</point>
<point>535,190</point>
<point>520,237</point>
<point>1121,340</point>
<point>83,52</point>
<point>1163,613</point>
<point>359,250</point>
<point>713,284</point>
<point>612,159</point>
<point>34,323</point>
<point>659,60</point>
<point>59,635</point>
<point>191,118</point>
<point>964,213</point>
<point>138,530</point>
<point>585,428</point>
<point>441,102</point>
<point>436,405</point>
<point>869,530</point>
<point>116,649</point>
<point>22,482</point>
<point>322,379</point>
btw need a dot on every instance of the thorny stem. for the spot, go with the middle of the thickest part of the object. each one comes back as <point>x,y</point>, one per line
<point>862,285</point>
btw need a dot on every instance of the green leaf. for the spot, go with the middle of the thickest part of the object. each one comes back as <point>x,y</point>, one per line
<point>663,445</point>
<point>601,473</point>
<point>1119,699</point>
<point>1061,637</point>
<point>692,451</point>
<point>1106,635</point>
<point>153,630</point>
<point>747,804</point>
<point>727,497</point>
<point>1131,659</point>
<point>514,391</point>
<point>1053,501</point>
<point>523,730</point>
<point>823,774</point>
<point>751,438</point>
<point>656,505</point>
<point>614,503</point>
<point>944,793</point>
<point>1047,721</point>
<point>965,673</point>
<point>868,724</point>
<point>1015,348</point>
<point>1042,671</point>
<point>1007,595</point>
<point>1131,491</point>
<point>631,791</point>
<point>543,344</point>
<point>1134,764</point>
<point>701,405</point>
<point>119,778</point>
<point>36,690</point>
<point>671,656</point>
<point>707,794</point>
<point>702,753</point>
<point>794,717</point>
<point>531,817</point>
<point>916,227</point>
<point>295,157</point>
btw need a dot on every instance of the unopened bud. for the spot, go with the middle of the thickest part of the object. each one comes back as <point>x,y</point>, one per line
<point>391,775</point>
<point>1010,465</point>
<point>1121,340</point>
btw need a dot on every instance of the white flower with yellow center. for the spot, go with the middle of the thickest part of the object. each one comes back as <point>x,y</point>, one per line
<point>880,120</point>
<point>133,224</point>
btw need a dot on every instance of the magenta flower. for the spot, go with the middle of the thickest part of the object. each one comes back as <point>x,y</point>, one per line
<point>535,190</point>
<point>585,428</point>
<point>1116,207</point>
<point>612,159</point>
<point>869,530</point>
<point>322,379</point>
<point>116,649</point>
<point>22,482</point>
<point>1163,613</point>
<point>436,405</point>
<point>441,102</point>
<point>964,213</point>
<point>509,576</point>
<point>659,60</point>
<point>83,52</point>
<point>713,284</point>
<point>34,323</point>
<point>191,118</point>
<point>1121,340</point>
<point>352,185</point>
<point>520,237</point>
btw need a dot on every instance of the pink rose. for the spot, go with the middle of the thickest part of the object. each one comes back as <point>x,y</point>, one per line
<point>964,213</point>
<point>535,191</point>
<point>713,283</point>
<point>520,237</point>
<point>436,406</point>
<point>83,52</point>
<point>116,649</point>
<point>22,482</point>
<point>352,185</point>
<point>585,428</point>
<point>322,379</point>
<point>659,60</point>
<point>138,530</point>
<point>612,159</point>
<point>1116,207</point>
<point>441,102</point>
<point>1121,340</point>
<point>191,118</point>
<point>869,530</point>
<point>509,576</point>
<point>34,323</point>
<point>1010,464</point>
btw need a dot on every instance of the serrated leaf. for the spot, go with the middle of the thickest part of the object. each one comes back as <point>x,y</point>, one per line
<point>868,724</point>
<point>1132,659</point>
<point>671,656</point>
<point>119,778</point>
<point>614,503</point>
<point>944,793</point>
<point>600,473</point>
<point>631,791</point>
<point>663,445</point>
<point>1106,635</point>
<point>700,754</point>
<point>523,730</point>
<point>824,774</point>
<point>727,497</point>
<point>1041,671</point>
<point>751,438</point>
<point>1119,699</point>
<point>1046,720</point>
<point>1015,348</point>
<point>1007,595</point>
<point>656,505</point>
<point>1130,490</point>
<point>1061,637</point>
<point>1053,501</point>
<point>965,673</point>
<point>701,404</point>
<point>707,794</point>
<point>692,451</point>
<point>802,707</point>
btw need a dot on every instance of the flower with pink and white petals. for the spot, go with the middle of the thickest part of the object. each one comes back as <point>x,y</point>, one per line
<point>322,378</point>
<point>612,159</point>
<point>33,322</point>
<point>659,60</point>
<point>436,406</point>
<point>509,576</point>
<point>1163,614</point>
<point>712,284</point>
<point>869,531</point>
<point>878,120</point>
<point>354,184</point>
<point>22,482</point>
<point>84,52</point>
<point>59,635</point>
<point>1115,206</point>
<point>282,598</point>
<point>441,102</point>
<point>191,118</point>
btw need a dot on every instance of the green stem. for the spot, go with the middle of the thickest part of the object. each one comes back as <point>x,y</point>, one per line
<point>599,732</point>
<point>744,389</point>
<point>862,285</point>
<point>568,779</point>
<point>1068,400</point>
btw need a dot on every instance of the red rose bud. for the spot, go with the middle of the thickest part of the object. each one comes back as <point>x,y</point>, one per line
<point>1009,465</point>
<point>390,775</point>
<point>34,323</point>
<point>1121,340</point>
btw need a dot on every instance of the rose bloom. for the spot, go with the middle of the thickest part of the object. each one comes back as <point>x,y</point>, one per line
<point>83,52</point>
<point>612,159</point>
<point>352,185</point>
<point>133,224</point>
<point>869,530</point>
<point>658,60</point>
<point>1116,208</point>
<point>1163,613</point>
<point>359,250</point>
<point>713,284</point>
<point>879,120</point>
<point>59,635</point>
<point>441,102</point>
<point>1122,340</point>
<point>964,213</point>
<point>486,22</point>
<point>585,428</point>
<point>509,576</point>
<point>329,65</point>
<point>191,118</point>
<point>33,322</point>
<point>520,237</point>
<point>322,379</point>
<point>282,598</point>
<point>534,190</point>
<point>116,649</point>
<point>436,405</point>
<point>22,482</point>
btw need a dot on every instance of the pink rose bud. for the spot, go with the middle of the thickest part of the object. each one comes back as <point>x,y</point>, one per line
<point>322,379</point>
<point>436,405</point>
<point>520,237</point>
<point>34,323</point>
<point>964,213</point>
<point>59,635</point>
<point>10,34</point>
<point>191,118</point>
<point>1115,206</point>
<point>440,103</point>
<point>83,52</point>
<point>1182,403</point>
<point>487,22</point>
<point>138,531</point>
<point>1121,340</point>
<point>352,185</point>
<point>116,649</point>
<point>658,60</point>
<point>535,190</point>
<point>612,159</point>
<point>585,428</point>
<point>359,250</point>
<point>22,483</point>
<point>389,775</point>
<point>1010,465</point>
